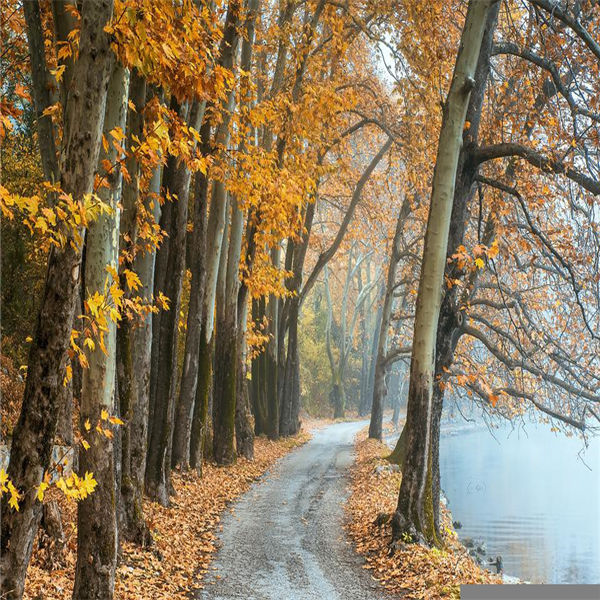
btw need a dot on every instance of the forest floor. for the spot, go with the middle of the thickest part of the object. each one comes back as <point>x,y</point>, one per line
<point>184,534</point>
<point>285,539</point>
<point>412,570</point>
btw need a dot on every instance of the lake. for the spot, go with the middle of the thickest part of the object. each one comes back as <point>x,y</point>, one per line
<point>529,496</point>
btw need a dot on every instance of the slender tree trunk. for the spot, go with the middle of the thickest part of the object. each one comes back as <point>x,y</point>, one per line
<point>158,467</point>
<point>259,404</point>
<point>134,342</point>
<point>189,376</point>
<point>200,421</point>
<point>214,244</point>
<point>225,362</point>
<point>291,373</point>
<point>381,366</point>
<point>97,514</point>
<point>34,433</point>
<point>415,511</point>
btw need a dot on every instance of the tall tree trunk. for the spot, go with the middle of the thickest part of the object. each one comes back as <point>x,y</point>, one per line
<point>415,511</point>
<point>244,431</point>
<point>134,340</point>
<point>96,514</point>
<point>200,421</point>
<point>158,467</point>
<point>34,433</point>
<point>259,401</point>
<point>225,362</point>
<point>214,244</point>
<point>189,377</point>
<point>291,373</point>
<point>271,358</point>
<point>374,347</point>
<point>236,307</point>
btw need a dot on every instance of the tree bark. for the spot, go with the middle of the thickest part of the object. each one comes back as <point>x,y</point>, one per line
<point>34,433</point>
<point>189,377</point>
<point>214,244</point>
<point>97,514</point>
<point>134,341</point>
<point>225,364</point>
<point>415,513</point>
<point>158,467</point>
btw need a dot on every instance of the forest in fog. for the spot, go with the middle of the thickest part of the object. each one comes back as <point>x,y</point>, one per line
<point>227,222</point>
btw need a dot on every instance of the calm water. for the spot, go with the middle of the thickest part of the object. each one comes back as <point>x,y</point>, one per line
<point>529,496</point>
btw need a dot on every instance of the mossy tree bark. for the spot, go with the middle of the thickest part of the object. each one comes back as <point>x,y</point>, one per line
<point>415,513</point>
<point>34,433</point>
<point>97,537</point>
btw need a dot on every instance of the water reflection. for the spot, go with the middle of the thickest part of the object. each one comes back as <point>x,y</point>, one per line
<point>529,496</point>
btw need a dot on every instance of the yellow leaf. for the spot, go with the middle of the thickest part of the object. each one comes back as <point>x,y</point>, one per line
<point>41,489</point>
<point>118,134</point>
<point>104,415</point>
<point>14,496</point>
<point>116,421</point>
<point>132,279</point>
<point>87,425</point>
<point>479,262</point>
<point>3,481</point>
<point>85,444</point>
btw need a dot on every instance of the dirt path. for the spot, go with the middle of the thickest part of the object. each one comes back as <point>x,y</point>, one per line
<point>284,539</point>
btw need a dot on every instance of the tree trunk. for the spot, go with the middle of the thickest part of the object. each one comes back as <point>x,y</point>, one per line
<point>259,402</point>
<point>34,433</point>
<point>381,364</point>
<point>96,514</point>
<point>379,386</point>
<point>415,513</point>
<point>225,389</point>
<point>225,359</point>
<point>291,373</point>
<point>189,376</point>
<point>200,422</point>
<point>277,415</point>
<point>158,467</point>
<point>134,347</point>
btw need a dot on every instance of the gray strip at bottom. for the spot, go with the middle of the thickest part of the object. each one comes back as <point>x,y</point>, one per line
<point>530,592</point>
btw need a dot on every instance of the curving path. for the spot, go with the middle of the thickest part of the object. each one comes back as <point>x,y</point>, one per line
<point>284,539</point>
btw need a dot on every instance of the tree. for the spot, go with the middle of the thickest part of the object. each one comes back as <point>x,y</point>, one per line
<point>415,512</point>
<point>34,434</point>
<point>97,514</point>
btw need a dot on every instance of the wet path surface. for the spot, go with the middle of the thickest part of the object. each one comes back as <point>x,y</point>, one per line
<point>284,539</point>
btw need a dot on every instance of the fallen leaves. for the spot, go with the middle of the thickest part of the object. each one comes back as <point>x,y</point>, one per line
<point>413,571</point>
<point>185,533</point>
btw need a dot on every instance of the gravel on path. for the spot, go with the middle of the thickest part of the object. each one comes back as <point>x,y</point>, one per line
<point>284,539</point>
